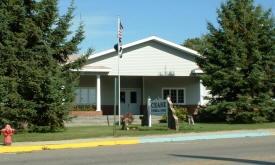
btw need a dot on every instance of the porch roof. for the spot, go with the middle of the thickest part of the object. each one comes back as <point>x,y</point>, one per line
<point>95,69</point>
<point>197,71</point>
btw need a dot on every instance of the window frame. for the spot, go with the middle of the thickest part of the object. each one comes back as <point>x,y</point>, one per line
<point>177,89</point>
<point>89,97</point>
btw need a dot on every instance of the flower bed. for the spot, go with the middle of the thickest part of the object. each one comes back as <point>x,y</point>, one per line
<point>86,113</point>
<point>84,108</point>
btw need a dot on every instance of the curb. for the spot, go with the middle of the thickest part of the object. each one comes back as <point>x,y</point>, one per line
<point>205,137</point>
<point>10,149</point>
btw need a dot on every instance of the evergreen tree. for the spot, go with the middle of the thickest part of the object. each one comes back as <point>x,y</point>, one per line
<point>238,63</point>
<point>37,83</point>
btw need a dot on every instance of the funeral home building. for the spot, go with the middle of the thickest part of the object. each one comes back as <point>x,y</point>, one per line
<point>151,67</point>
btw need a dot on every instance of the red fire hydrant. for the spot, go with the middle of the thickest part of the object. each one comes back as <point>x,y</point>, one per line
<point>8,132</point>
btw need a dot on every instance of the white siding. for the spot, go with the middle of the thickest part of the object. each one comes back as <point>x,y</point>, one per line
<point>107,85</point>
<point>153,87</point>
<point>205,93</point>
<point>149,59</point>
<point>150,67</point>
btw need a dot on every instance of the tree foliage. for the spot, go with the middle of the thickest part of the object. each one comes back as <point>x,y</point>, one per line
<point>37,83</point>
<point>238,63</point>
<point>197,43</point>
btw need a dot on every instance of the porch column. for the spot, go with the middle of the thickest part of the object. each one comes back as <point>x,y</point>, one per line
<point>98,93</point>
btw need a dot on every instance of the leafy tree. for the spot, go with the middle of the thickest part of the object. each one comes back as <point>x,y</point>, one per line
<point>37,83</point>
<point>197,44</point>
<point>238,63</point>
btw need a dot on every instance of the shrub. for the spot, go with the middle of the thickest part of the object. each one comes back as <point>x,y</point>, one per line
<point>126,120</point>
<point>211,114</point>
<point>234,112</point>
<point>163,119</point>
<point>84,108</point>
<point>181,113</point>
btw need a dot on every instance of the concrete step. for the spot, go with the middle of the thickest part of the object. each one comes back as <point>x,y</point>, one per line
<point>103,120</point>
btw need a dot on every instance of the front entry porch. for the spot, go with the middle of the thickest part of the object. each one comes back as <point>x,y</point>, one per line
<point>135,90</point>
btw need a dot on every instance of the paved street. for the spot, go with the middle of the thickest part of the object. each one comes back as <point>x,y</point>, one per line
<point>252,150</point>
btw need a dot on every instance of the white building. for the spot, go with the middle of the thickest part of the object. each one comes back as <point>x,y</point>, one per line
<point>151,67</point>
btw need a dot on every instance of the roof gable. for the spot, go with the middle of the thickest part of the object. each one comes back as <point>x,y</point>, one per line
<point>152,38</point>
<point>148,57</point>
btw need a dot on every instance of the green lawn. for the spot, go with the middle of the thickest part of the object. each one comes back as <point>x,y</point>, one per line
<point>104,131</point>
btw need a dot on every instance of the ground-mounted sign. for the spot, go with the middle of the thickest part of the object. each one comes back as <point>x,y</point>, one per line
<point>158,107</point>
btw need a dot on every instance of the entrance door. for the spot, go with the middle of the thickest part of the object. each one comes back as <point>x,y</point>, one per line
<point>130,101</point>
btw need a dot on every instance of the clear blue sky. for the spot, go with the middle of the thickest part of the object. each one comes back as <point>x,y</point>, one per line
<point>173,20</point>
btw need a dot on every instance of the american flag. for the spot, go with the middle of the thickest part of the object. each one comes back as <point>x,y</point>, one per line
<point>120,31</point>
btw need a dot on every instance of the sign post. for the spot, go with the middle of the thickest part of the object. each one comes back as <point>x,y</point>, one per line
<point>149,112</point>
<point>118,75</point>
<point>119,54</point>
<point>115,103</point>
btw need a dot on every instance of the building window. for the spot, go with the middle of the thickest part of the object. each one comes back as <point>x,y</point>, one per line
<point>133,97</point>
<point>177,95</point>
<point>181,96</point>
<point>122,97</point>
<point>86,96</point>
<point>166,93</point>
<point>173,95</point>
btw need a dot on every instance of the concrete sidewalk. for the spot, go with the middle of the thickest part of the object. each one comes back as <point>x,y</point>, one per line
<point>94,142</point>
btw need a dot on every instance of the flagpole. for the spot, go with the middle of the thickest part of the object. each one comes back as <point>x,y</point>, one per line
<point>118,61</point>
